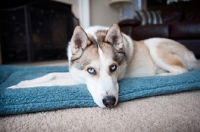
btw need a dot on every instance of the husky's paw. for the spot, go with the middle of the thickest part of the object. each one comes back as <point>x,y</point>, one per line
<point>27,82</point>
<point>15,86</point>
<point>22,84</point>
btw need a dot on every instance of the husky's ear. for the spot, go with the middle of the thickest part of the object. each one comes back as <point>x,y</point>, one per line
<point>114,37</point>
<point>79,42</point>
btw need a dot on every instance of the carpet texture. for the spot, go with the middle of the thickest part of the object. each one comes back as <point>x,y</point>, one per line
<point>19,101</point>
<point>168,113</point>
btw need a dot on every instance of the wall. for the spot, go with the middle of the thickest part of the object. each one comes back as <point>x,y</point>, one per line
<point>100,11</point>
<point>75,6</point>
<point>102,14</point>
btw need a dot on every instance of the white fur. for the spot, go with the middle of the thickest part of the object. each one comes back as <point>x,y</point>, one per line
<point>188,59</point>
<point>51,79</point>
<point>106,84</point>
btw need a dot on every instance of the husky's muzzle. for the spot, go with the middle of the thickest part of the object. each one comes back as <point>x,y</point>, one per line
<point>109,101</point>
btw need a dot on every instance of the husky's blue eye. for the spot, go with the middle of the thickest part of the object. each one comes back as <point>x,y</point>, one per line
<point>91,71</point>
<point>113,68</point>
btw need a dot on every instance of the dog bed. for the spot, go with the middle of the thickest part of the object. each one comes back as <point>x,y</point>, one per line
<point>27,100</point>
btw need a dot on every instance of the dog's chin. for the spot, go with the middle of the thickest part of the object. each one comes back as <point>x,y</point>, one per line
<point>99,103</point>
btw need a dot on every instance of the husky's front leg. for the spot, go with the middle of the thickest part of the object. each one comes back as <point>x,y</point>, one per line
<point>51,79</point>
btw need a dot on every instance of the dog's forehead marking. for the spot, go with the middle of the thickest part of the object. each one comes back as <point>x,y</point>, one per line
<point>97,37</point>
<point>109,52</point>
<point>105,50</point>
<point>100,35</point>
<point>89,54</point>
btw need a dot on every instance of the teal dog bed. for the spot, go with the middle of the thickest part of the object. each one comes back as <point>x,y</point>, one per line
<point>27,100</point>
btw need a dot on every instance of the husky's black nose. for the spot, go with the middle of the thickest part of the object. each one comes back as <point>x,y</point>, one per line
<point>109,101</point>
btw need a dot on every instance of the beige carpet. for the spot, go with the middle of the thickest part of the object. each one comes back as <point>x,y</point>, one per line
<point>168,113</point>
<point>177,112</point>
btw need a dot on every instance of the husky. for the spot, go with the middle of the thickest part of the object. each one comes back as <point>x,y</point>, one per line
<point>100,56</point>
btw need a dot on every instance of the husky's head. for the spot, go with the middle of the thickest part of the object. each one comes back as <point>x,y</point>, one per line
<point>97,59</point>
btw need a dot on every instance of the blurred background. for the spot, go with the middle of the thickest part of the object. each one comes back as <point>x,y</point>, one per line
<point>39,30</point>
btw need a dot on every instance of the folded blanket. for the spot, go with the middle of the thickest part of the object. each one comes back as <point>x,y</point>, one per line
<point>26,100</point>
